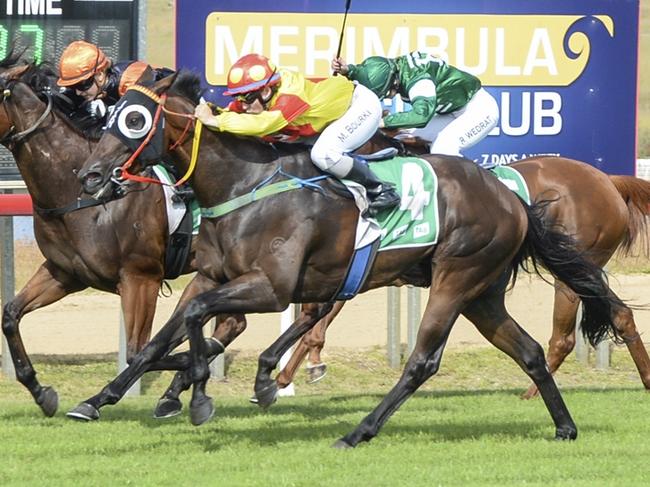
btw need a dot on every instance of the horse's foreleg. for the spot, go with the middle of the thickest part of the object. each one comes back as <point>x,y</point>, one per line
<point>265,388</point>
<point>45,287</point>
<point>439,316</point>
<point>563,339</point>
<point>138,295</point>
<point>169,337</point>
<point>227,329</point>
<point>489,315</point>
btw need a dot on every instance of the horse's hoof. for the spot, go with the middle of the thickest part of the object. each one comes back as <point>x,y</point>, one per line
<point>566,434</point>
<point>342,445</point>
<point>267,396</point>
<point>167,408</point>
<point>201,411</point>
<point>48,401</point>
<point>316,373</point>
<point>84,412</point>
<point>531,393</point>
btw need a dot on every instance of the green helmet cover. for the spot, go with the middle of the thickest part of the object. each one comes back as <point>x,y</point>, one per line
<point>375,73</point>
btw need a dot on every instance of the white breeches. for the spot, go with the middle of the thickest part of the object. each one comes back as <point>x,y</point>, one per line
<point>349,132</point>
<point>454,132</point>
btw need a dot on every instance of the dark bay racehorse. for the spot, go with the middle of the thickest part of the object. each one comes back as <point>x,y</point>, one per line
<point>296,246</point>
<point>119,247</point>
<point>601,213</point>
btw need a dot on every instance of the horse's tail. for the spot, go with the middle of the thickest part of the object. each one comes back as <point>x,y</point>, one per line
<point>558,253</point>
<point>636,194</point>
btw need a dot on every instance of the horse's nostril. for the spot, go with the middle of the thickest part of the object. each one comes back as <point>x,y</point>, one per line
<point>92,179</point>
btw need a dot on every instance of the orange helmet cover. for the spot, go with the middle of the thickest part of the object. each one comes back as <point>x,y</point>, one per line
<point>79,61</point>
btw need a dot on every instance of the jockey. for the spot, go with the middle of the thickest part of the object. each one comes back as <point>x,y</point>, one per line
<point>85,70</point>
<point>281,105</point>
<point>450,108</point>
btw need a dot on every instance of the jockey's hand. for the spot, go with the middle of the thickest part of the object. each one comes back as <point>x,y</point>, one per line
<point>204,113</point>
<point>339,66</point>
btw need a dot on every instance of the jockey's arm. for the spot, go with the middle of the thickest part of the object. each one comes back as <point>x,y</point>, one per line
<point>259,125</point>
<point>423,102</point>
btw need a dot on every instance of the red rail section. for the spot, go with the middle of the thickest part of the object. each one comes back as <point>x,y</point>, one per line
<point>15,205</point>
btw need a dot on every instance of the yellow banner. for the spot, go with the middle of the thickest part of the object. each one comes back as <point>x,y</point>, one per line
<point>502,50</point>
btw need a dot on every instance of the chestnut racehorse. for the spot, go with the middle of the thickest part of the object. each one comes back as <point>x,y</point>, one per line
<point>295,246</point>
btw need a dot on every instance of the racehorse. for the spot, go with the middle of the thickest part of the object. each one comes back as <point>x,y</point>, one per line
<point>119,247</point>
<point>601,213</point>
<point>296,245</point>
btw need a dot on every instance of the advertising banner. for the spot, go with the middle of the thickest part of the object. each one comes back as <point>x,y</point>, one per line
<point>564,72</point>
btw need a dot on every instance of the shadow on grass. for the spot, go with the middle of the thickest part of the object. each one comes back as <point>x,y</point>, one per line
<point>314,419</point>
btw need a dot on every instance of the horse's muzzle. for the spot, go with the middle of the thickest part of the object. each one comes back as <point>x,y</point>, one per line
<point>92,181</point>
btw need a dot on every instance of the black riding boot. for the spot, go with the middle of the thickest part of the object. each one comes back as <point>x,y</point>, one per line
<point>382,195</point>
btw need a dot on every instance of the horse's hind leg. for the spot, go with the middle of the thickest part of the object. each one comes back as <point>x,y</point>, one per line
<point>563,339</point>
<point>310,345</point>
<point>439,316</point>
<point>625,322</point>
<point>489,315</point>
<point>45,287</point>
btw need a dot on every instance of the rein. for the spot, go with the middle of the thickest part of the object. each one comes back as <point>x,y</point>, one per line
<point>122,172</point>
<point>13,139</point>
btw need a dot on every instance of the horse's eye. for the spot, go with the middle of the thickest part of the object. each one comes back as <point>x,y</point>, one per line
<point>135,121</point>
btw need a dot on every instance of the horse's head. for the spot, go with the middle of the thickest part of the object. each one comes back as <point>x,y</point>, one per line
<point>28,93</point>
<point>12,70</point>
<point>137,135</point>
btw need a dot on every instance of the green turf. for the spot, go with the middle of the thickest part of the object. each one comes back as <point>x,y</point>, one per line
<point>467,426</point>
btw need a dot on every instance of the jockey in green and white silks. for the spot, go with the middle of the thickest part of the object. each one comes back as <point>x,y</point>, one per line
<point>450,109</point>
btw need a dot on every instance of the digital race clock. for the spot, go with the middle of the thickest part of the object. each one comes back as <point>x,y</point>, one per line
<point>45,27</point>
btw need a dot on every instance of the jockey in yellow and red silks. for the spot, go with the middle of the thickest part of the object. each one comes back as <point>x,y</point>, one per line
<point>280,104</point>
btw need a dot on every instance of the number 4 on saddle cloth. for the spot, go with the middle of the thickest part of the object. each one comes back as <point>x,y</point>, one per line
<point>414,223</point>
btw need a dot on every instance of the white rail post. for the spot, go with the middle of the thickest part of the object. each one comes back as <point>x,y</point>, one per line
<point>286,319</point>
<point>218,365</point>
<point>393,327</point>
<point>582,347</point>
<point>413,315</point>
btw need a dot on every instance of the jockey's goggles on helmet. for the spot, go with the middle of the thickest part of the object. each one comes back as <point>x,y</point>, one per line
<point>250,97</point>
<point>84,85</point>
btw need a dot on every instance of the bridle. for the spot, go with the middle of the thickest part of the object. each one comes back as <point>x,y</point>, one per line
<point>10,138</point>
<point>120,174</point>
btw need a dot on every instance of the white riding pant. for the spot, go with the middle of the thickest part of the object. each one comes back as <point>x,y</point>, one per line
<point>454,132</point>
<point>349,132</point>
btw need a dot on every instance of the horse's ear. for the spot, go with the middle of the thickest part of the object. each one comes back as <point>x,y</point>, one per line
<point>165,83</point>
<point>146,78</point>
<point>15,72</point>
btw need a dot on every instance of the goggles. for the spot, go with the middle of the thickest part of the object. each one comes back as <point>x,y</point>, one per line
<point>249,98</point>
<point>84,85</point>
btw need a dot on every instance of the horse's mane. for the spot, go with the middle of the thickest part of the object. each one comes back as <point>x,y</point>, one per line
<point>188,85</point>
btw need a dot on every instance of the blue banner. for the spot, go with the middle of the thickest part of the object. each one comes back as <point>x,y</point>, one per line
<point>564,72</point>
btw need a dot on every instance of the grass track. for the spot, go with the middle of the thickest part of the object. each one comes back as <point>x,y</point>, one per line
<point>466,427</point>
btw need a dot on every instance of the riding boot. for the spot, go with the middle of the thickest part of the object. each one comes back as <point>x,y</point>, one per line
<point>382,195</point>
